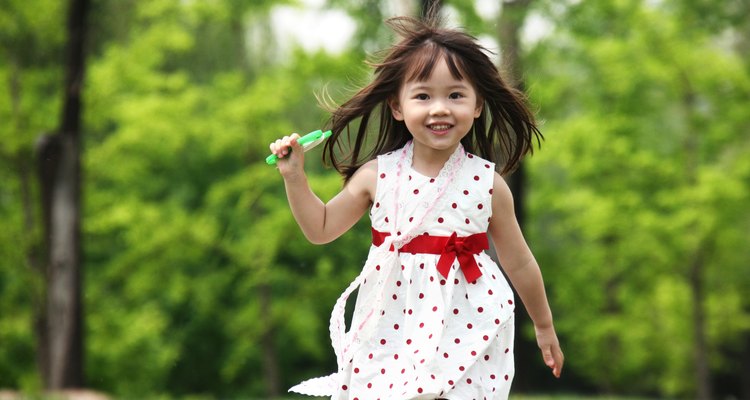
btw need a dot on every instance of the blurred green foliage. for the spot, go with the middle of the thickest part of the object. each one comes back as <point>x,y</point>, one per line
<point>195,269</point>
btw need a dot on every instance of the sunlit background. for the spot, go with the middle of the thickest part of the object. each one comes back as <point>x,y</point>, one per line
<point>195,280</point>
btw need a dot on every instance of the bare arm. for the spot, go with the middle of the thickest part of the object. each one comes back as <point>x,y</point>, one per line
<point>322,222</point>
<point>523,271</point>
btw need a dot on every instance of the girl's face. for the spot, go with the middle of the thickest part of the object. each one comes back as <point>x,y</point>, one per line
<point>439,111</point>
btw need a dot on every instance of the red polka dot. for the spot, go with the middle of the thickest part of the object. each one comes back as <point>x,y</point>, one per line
<point>395,356</point>
<point>455,311</point>
<point>469,325</point>
<point>445,355</point>
<point>382,341</point>
<point>480,206</point>
<point>344,387</point>
<point>507,350</point>
<point>468,380</point>
<point>356,370</point>
<point>473,353</point>
<point>456,340</point>
<point>466,192</point>
<point>510,302</point>
<point>506,377</point>
<point>382,371</point>
<point>421,324</point>
<point>432,180</point>
<point>369,385</point>
<point>434,308</point>
<point>408,341</point>
<point>411,219</point>
<point>486,357</point>
<point>461,368</point>
<point>490,191</point>
<point>370,356</point>
<point>454,205</point>
<point>419,390</point>
<point>382,175</point>
<point>395,326</point>
<point>486,165</point>
<point>440,220</point>
<point>467,221</point>
<point>450,382</point>
<point>476,177</point>
<point>489,292</point>
<point>377,204</point>
<point>492,376</point>
<point>421,295</point>
<point>486,338</point>
<point>416,191</point>
<point>470,155</point>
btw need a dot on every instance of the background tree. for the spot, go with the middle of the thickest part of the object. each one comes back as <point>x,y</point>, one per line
<point>61,344</point>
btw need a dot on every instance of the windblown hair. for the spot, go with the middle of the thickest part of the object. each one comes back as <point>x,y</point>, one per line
<point>503,133</point>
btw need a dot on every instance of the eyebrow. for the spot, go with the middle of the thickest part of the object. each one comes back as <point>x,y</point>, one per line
<point>451,87</point>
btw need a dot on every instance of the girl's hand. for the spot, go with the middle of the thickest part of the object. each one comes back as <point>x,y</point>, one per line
<point>291,160</point>
<point>547,341</point>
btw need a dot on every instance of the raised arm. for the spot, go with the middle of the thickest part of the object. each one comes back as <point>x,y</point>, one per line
<point>523,271</point>
<point>322,222</point>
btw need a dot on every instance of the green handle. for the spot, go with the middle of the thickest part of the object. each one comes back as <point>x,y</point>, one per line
<point>304,140</point>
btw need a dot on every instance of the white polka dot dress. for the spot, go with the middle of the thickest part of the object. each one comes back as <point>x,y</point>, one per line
<point>417,332</point>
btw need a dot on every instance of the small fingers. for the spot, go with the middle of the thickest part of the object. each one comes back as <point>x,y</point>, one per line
<point>553,358</point>
<point>559,361</point>
<point>281,147</point>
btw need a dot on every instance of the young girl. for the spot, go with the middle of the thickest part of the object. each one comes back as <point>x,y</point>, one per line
<point>434,314</point>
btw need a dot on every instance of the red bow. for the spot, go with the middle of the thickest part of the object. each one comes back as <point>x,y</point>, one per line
<point>463,249</point>
<point>449,248</point>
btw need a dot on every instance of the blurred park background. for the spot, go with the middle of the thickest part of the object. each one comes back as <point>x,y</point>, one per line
<point>182,273</point>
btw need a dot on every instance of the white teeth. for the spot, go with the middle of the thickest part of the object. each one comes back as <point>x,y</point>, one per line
<point>440,127</point>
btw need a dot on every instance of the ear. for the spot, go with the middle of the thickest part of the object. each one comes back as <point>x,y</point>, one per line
<point>480,107</point>
<point>395,109</point>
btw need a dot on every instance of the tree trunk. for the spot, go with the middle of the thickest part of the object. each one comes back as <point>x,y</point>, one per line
<point>268,341</point>
<point>700,351</point>
<point>745,369</point>
<point>429,6</point>
<point>512,16</point>
<point>60,179</point>
<point>696,273</point>
<point>511,21</point>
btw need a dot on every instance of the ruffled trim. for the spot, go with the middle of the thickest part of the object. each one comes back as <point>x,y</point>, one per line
<point>323,386</point>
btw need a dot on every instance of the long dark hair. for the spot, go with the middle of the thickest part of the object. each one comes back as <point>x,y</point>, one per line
<point>503,133</point>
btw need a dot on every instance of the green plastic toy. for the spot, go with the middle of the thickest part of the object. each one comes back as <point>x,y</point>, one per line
<point>307,142</point>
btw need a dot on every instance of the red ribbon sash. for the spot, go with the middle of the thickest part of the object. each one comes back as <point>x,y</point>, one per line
<point>450,248</point>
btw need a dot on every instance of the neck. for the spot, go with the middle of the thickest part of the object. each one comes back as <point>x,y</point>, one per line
<point>428,161</point>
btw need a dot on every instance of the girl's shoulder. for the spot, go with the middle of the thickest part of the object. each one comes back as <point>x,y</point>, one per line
<point>389,156</point>
<point>364,180</point>
<point>475,160</point>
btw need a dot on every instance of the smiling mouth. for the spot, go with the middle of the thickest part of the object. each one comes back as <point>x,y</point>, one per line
<point>440,127</point>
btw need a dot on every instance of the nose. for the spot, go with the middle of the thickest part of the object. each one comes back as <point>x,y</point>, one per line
<point>439,108</point>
